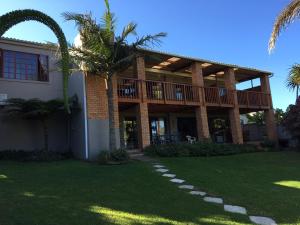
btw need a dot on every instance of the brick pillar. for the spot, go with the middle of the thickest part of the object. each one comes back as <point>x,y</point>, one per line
<point>96,97</point>
<point>116,103</point>
<point>269,113</point>
<point>142,107</point>
<point>234,113</point>
<point>200,111</point>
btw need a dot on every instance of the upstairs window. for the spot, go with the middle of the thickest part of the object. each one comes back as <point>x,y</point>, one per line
<point>24,66</point>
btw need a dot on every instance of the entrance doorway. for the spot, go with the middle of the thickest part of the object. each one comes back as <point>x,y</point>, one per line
<point>186,126</point>
<point>158,129</point>
<point>130,133</point>
<point>219,129</point>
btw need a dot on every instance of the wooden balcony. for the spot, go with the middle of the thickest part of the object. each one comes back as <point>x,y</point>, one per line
<point>161,92</point>
<point>172,93</point>
<point>252,99</point>
<point>215,96</point>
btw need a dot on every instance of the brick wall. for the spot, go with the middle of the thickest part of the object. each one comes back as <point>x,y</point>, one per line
<point>97,107</point>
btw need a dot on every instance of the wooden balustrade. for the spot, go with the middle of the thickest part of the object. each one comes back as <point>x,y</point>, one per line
<point>252,98</point>
<point>216,95</point>
<point>171,92</point>
<point>128,88</point>
<point>184,94</point>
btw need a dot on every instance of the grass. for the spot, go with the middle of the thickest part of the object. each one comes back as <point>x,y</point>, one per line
<point>265,183</point>
<point>79,193</point>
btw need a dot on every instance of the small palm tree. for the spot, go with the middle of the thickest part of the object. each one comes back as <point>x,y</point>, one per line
<point>35,109</point>
<point>103,53</point>
<point>293,80</point>
<point>287,16</point>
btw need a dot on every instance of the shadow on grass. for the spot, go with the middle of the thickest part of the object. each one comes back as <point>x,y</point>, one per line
<point>79,193</point>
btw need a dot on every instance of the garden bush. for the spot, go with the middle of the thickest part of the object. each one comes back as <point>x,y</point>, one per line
<point>21,155</point>
<point>115,156</point>
<point>198,149</point>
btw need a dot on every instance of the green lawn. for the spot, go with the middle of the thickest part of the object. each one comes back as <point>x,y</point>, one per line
<point>79,193</point>
<point>265,183</point>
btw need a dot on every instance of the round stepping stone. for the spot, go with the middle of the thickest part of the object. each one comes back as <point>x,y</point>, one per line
<point>262,220</point>
<point>178,181</point>
<point>201,193</point>
<point>235,209</point>
<point>161,170</point>
<point>213,200</point>
<point>189,187</point>
<point>159,166</point>
<point>169,175</point>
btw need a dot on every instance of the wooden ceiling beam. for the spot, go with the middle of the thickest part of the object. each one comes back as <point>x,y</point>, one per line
<point>167,72</point>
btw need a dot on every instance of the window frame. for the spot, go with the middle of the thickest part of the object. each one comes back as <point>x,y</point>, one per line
<point>38,68</point>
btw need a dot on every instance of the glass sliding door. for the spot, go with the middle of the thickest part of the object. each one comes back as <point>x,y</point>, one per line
<point>158,129</point>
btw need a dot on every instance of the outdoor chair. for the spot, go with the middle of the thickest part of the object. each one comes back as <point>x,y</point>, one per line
<point>190,139</point>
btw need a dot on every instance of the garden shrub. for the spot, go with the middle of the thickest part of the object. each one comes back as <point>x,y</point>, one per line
<point>268,144</point>
<point>119,155</point>
<point>199,149</point>
<point>43,156</point>
<point>115,156</point>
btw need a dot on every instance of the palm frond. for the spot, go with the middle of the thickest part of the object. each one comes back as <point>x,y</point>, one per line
<point>287,16</point>
<point>127,30</point>
<point>293,79</point>
<point>149,40</point>
<point>108,19</point>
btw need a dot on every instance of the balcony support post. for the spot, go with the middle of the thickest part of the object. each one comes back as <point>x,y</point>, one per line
<point>269,113</point>
<point>142,106</point>
<point>234,113</point>
<point>200,111</point>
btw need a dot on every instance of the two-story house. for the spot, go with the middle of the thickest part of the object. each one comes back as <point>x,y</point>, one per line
<point>160,99</point>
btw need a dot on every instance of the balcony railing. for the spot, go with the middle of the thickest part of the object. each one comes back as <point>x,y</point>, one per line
<point>216,95</point>
<point>128,88</point>
<point>252,98</point>
<point>161,92</point>
<point>172,92</point>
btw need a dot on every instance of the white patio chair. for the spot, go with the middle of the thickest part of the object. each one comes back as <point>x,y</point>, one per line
<point>190,139</point>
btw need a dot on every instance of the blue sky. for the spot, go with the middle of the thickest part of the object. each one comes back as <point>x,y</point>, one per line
<point>231,31</point>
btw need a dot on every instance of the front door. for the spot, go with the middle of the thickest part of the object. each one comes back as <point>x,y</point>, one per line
<point>130,133</point>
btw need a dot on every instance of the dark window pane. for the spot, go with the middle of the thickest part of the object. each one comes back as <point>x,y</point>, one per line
<point>24,66</point>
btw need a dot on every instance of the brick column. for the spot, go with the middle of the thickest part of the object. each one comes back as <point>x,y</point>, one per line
<point>234,113</point>
<point>269,113</point>
<point>142,107</point>
<point>200,111</point>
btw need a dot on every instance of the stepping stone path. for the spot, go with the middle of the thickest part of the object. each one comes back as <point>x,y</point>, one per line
<point>159,166</point>
<point>201,193</point>
<point>213,200</point>
<point>162,170</point>
<point>189,187</point>
<point>262,220</point>
<point>178,181</point>
<point>169,175</point>
<point>235,209</point>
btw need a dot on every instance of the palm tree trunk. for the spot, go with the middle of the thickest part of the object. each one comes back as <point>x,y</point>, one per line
<point>46,134</point>
<point>112,129</point>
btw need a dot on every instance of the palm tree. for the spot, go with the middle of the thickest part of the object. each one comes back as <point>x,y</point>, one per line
<point>287,16</point>
<point>102,53</point>
<point>293,80</point>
